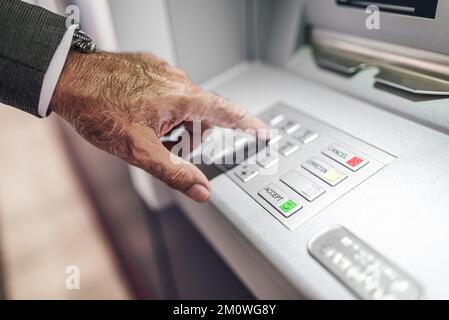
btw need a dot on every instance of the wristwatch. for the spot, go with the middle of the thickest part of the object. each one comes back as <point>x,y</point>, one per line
<point>82,42</point>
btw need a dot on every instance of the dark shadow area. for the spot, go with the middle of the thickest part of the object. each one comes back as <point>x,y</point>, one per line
<point>160,254</point>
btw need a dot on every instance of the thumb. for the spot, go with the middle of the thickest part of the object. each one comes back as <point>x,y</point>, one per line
<point>150,155</point>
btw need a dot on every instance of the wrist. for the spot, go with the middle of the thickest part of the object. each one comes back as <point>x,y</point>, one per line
<point>65,81</point>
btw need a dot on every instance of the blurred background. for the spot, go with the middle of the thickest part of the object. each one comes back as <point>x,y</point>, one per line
<point>64,203</point>
<point>47,220</point>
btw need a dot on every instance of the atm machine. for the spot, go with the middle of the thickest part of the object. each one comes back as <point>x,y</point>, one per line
<point>358,204</point>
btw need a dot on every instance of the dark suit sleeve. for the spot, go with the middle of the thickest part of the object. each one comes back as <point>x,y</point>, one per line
<point>29,37</point>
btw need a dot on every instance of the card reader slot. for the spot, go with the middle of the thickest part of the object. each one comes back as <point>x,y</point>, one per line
<point>412,82</point>
<point>399,67</point>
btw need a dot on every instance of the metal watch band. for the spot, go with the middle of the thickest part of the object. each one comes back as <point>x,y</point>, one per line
<point>82,42</point>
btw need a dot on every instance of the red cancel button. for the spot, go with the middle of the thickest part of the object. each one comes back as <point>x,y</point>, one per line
<point>354,161</point>
<point>349,159</point>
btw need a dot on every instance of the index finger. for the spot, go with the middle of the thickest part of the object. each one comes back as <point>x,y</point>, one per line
<point>220,111</point>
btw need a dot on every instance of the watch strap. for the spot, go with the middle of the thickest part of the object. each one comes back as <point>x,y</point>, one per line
<point>82,42</point>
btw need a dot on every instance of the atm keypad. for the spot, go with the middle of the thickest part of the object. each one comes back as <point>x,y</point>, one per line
<point>287,148</point>
<point>302,185</point>
<point>299,175</point>
<point>324,171</point>
<point>275,119</point>
<point>246,172</point>
<point>267,160</point>
<point>306,136</point>
<point>288,126</point>
<point>275,139</point>
<point>239,141</point>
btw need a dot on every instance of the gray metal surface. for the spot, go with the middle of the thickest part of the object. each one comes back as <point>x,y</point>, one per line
<point>140,26</point>
<point>422,33</point>
<point>284,32</point>
<point>430,111</point>
<point>209,35</point>
<point>342,180</point>
<point>412,70</point>
<point>401,211</point>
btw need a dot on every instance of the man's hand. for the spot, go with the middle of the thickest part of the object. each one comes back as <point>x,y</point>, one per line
<point>123,104</point>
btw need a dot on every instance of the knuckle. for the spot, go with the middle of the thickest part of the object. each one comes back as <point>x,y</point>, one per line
<point>239,113</point>
<point>217,102</point>
<point>193,88</point>
<point>181,107</point>
<point>235,112</point>
<point>182,73</point>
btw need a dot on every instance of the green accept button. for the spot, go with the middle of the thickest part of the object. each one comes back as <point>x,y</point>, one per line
<point>288,206</point>
<point>279,200</point>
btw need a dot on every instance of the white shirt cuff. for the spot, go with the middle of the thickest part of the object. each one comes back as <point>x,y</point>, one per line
<point>54,70</point>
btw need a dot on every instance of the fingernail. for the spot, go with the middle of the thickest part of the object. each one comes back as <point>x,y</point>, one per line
<point>198,192</point>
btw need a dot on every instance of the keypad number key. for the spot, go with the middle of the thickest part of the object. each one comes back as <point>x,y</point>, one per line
<point>287,148</point>
<point>306,136</point>
<point>303,186</point>
<point>246,172</point>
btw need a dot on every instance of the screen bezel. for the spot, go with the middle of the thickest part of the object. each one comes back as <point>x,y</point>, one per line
<point>416,32</point>
<point>417,8</point>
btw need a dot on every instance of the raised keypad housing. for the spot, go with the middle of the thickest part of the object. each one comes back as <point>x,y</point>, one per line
<point>310,166</point>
